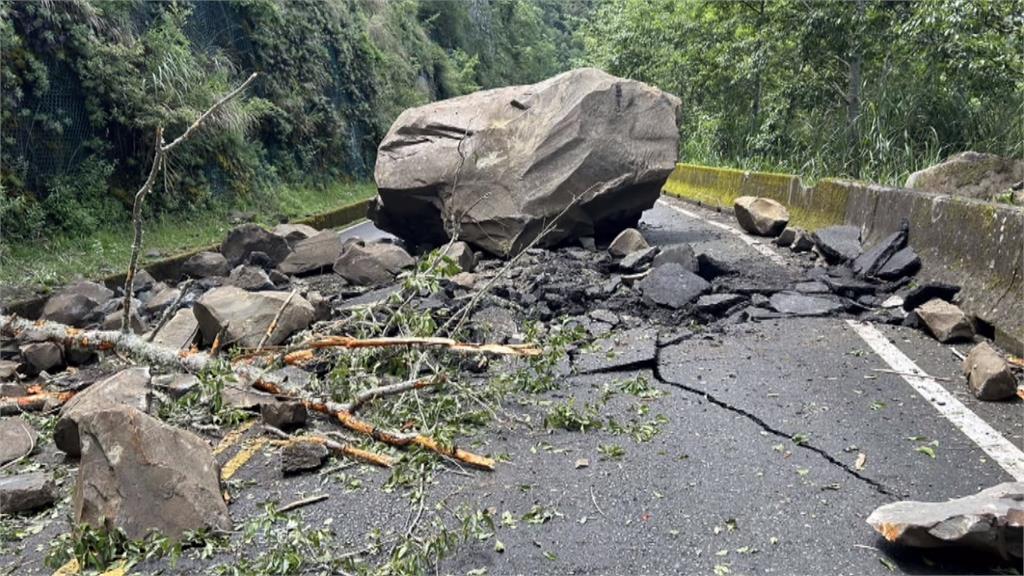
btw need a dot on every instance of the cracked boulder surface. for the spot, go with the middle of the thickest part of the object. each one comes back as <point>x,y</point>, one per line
<point>726,440</point>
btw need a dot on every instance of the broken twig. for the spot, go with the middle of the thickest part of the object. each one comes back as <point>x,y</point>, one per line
<point>273,323</point>
<point>303,502</point>
<point>336,447</point>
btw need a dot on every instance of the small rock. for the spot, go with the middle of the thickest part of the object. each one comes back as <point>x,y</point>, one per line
<point>894,301</point>
<point>114,319</point>
<point>372,264</point>
<point>673,286</point>
<point>205,265</point>
<point>301,456</point>
<point>760,216</point>
<point>321,306</point>
<point>143,281</point>
<point>245,398</point>
<point>628,241</point>
<point>710,267</point>
<point>988,374</point>
<point>849,287</point>
<point>638,260</point>
<point>8,370</point>
<point>283,415</point>
<point>164,297</point>
<point>786,238</point>
<point>281,280</point>
<point>812,287</point>
<point>802,305</point>
<point>13,389</point>
<point>293,233</point>
<point>602,315</point>
<point>180,331</point>
<point>17,438</point>
<point>128,387</point>
<point>493,323</point>
<point>42,357</point>
<point>988,522</point>
<point>259,260</point>
<point>462,255</point>
<point>929,291</point>
<point>176,385</point>
<point>246,316</point>
<point>248,238</point>
<point>904,263</point>
<point>313,255</point>
<point>464,280</point>
<point>871,261</point>
<point>713,304</point>
<point>944,320</point>
<point>139,474</point>
<point>803,242</point>
<point>26,492</point>
<point>838,244</point>
<point>250,278</point>
<point>681,254</point>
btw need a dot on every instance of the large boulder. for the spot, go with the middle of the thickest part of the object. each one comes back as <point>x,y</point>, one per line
<point>138,474</point>
<point>761,216</point>
<point>248,238</point>
<point>180,331</point>
<point>127,387</point>
<point>205,265</point>
<point>245,316</point>
<point>372,264</point>
<point>314,254</point>
<point>504,163</point>
<point>77,304</point>
<point>971,174</point>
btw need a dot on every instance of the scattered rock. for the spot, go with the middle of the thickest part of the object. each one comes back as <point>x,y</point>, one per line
<point>143,281</point>
<point>77,305</point>
<point>812,287</point>
<point>638,260</point>
<point>314,254</point>
<point>849,287</point>
<point>180,331</point>
<point>372,264</point>
<point>135,322</point>
<point>246,316</point>
<point>250,278</point>
<point>462,255</point>
<point>761,216</point>
<point>26,492</point>
<point>970,174</point>
<point>681,254</point>
<point>902,264</point>
<point>944,320</point>
<point>205,265</point>
<point>606,316</point>
<point>164,297</point>
<point>128,387</point>
<point>710,267</point>
<point>989,522</point>
<point>293,233</point>
<point>838,244</point>
<point>794,304</point>
<point>929,291</point>
<point>988,374</point>
<point>786,238</point>
<point>139,474</point>
<point>42,357</point>
<point>802,242</point>
<point>8,370</point>
<point>587,134</point>
<point>259,260</point>
<point>17,438</point>
<point>248,238</point>
<point>321,306</point>
<point>493,323</point>
<point>628,241</point>
<point>283,415</point>
<point>870,262</point>
<point>713,304</point>
<point>302,456</point>
<point>463,280</point>
<point>672,285</point>
<point>176,385</point>
<point>245,398</point>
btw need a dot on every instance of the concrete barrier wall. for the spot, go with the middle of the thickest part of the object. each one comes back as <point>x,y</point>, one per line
<point>977,245</point>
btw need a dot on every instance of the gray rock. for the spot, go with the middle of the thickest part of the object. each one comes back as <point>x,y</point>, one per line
<point>628,241</point>
<point>163,297</point>
<point>143,281</point>
<point>135,323</point>
<point>988,374</point>
<point>681,254</point>
<point>139,474</point>
<point>26,492</point>
<point>849,287</point>
<point>462,255</point>
<point>372,264</point>
<point>247,238</point>
<point>903,263</point>
<point>709,267</point>
<point>761,216</point>
<point>794,304</point>
<point>602,315</point>
<point>970,174</point>
<point>302,456</point>
<point>589,134</point>
<point>988,522</point>
<point>802,242</point>
<point>180,331</point>
<point>838,244</point>
<point>929,291</point>
<point>283,415</point>
<point>636,347</point>
<point>259,260</point>
<point>313,255</point>
<point>493,323</point>
<point>250,278</point>
<point>945,321</point>
<point>8,370</point>
<point>718,303</point>
<point>463,280</point>
<point>176,385</point>
<point>42,357</point>
<point>812,287</point>
<point>17,438</point>
<point>321,306</point>
<point>246,316</point>
<point>588,243</point>
<point>77,305</point>
<point>205,265</point>
<point>786,238</point>
<point>242,397</point>
<point>871,261</point>
<point>672,285</point>
<point>638,260</point>
<point>293,233</point>
<point>128,387</point>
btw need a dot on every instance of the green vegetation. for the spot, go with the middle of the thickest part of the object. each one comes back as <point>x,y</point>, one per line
<point>864,89</point>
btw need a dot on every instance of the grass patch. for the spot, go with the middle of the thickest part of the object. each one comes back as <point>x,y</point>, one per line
<point>29,267</point>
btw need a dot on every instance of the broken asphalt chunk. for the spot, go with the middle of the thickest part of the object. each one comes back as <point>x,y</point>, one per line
<point>929,291</point>
<point>795,304</point>
<point>871,261</point>
<point>673,286</point>
<point>838,244</point>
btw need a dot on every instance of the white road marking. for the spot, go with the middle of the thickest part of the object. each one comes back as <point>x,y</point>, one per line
<point>755,244</point>
<point>1008,456</point>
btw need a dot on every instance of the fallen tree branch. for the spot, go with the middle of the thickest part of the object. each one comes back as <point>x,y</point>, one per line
<point>304,502</point>
<point>428,342</point>
<point>391,389</point>
<point>345,449</point>
<point>273,323</point>
<point>33,402</point>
